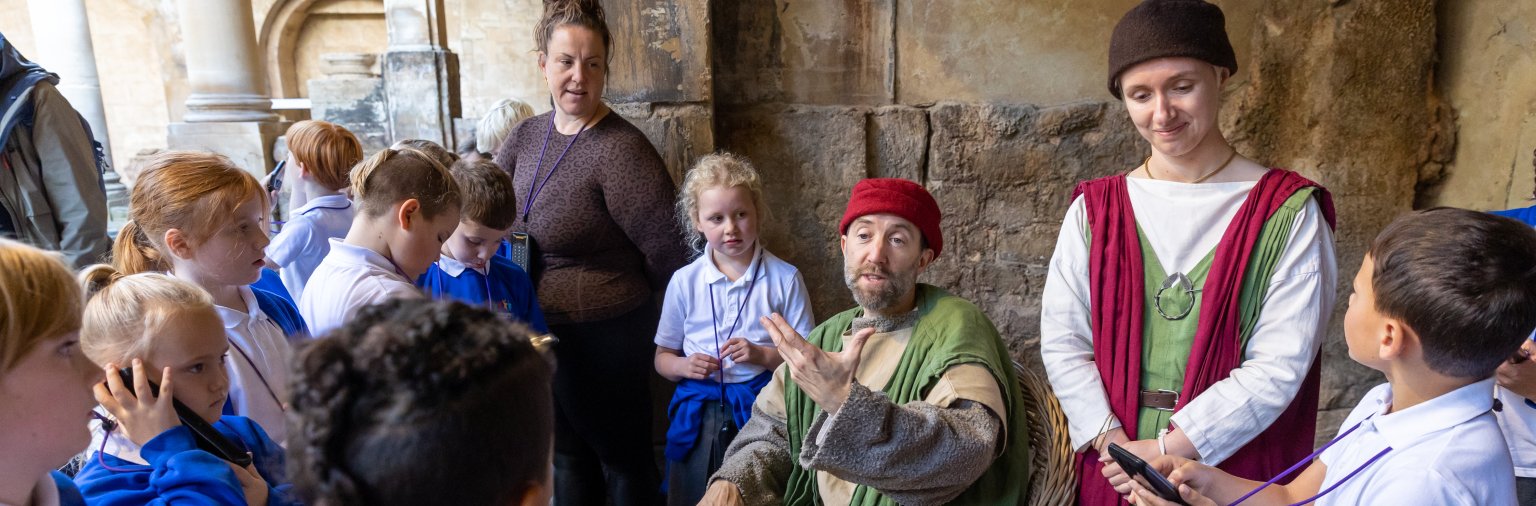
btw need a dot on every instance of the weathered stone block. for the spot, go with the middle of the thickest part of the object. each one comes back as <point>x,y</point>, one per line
<point>681,132</point>
<point>806,52</point>
<point>423,94</point>
<point>667,58</point>
<point>357,104</point>
<point>810,157</point>
<point>898,143</point>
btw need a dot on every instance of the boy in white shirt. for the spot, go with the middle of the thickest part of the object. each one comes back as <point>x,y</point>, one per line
<point>320,156</point>
<point>1442,298</point>
<point>408,205</point>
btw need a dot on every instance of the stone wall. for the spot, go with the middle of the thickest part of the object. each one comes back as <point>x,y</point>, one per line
<point>1488,73</point>
<point>1000,118</point>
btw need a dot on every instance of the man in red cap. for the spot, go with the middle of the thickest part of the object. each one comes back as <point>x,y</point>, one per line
<point>909,397</point>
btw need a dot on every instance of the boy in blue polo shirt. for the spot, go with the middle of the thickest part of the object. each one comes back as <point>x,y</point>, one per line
<point>469,269</point>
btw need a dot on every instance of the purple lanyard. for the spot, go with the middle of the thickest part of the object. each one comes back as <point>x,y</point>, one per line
<point>714,323</point>
<point>1309,460</point>
<point>259,376</point>
<point>490,299</point>
<point>536,187</point>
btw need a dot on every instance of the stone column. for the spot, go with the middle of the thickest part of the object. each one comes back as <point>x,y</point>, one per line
<point>421,76</point>
<point>229,110</point>
<point>64,47</point>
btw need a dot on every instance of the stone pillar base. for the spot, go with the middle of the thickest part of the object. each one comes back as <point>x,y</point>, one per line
<point>422,87</point>
<point>248,144</point>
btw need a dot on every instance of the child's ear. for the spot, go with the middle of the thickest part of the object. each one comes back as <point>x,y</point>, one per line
<point>178,243</point>
<point>1395,341</point>
<point>407,209</point>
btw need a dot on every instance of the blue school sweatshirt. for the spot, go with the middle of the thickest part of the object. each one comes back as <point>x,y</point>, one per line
<point>282,312</point>
<point>180,473</point>
<point>510,289</point>
<point>272,282</point>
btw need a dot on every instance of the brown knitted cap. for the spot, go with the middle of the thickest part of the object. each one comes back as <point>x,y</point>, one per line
<point>1169,28</point>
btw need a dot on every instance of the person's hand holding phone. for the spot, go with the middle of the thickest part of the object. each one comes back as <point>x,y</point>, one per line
<point>1187,475</point>
<point>1518,374</point>
<point>139,413</point>
<point>1145,449</point>
<point>252,483</point>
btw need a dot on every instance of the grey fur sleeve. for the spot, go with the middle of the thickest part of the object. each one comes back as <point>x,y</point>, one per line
<point>917,453</point>
<point>757,461</point>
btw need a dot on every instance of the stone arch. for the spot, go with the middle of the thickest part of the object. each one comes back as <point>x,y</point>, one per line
<point>280,41</point>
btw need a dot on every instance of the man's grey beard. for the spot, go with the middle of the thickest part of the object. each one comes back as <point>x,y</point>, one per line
<point>879,300</point>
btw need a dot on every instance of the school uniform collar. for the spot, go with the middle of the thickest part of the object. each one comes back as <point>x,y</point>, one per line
<point>233,317</point>
<point>713,275</point>
<point>332,201</point>
<point>363,257</point>
<point>1402,428</point>
<point>453,267</point>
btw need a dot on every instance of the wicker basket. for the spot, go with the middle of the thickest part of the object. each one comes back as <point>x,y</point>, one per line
<point>1053,469</point>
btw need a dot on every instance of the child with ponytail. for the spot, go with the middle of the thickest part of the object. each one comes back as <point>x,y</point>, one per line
<point>45,383</point>
<point>171,334</point>
<point>202,219</point>
<point>423,402</point>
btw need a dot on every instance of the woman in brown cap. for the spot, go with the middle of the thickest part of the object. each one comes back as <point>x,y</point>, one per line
<point>1187,297</point>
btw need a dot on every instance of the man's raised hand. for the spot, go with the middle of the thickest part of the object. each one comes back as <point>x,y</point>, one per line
<point>826,377</point>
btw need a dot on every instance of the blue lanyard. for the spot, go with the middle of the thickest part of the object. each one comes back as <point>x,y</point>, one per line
<point>536,187</point>
<point>1308,460</point>
<point>714,323</point>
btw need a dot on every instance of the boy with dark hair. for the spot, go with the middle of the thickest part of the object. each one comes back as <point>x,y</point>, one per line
<point>1442,298</point>
<point>469,269</point>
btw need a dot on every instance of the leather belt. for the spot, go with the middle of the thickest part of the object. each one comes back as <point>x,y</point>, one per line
<point>1161,400</point>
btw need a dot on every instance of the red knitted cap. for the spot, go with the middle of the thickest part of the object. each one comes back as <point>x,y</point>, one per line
<point>900,197</point>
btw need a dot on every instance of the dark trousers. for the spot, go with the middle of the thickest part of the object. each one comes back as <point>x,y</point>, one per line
<point>603,447</point>
<point>1525,491</point>
<point>688,480</point>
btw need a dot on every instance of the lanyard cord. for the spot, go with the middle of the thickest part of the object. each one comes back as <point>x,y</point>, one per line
<point>259,375</point>
<point>306,211</point>
<point>535,187</point>
<point>714,320</point>
<point>1308,460</point>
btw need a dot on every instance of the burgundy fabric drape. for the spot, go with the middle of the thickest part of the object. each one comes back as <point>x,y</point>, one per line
<point>1116,291</point>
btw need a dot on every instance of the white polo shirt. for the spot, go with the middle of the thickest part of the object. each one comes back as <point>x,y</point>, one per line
<point>688,325</point>
<point>1518,421</point>
<point>306,239</point>
<point>349,278</point>
<point>259,357</point>
<point>1445,451</point>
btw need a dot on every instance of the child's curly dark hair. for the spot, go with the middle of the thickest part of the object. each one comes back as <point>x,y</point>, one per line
<point>418,402</point>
